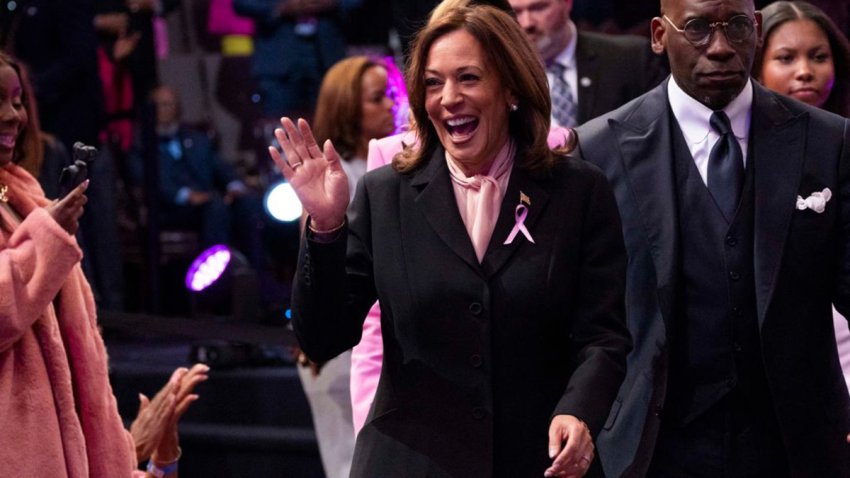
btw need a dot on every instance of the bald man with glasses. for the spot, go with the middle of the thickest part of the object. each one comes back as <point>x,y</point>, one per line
<point>736,215</point>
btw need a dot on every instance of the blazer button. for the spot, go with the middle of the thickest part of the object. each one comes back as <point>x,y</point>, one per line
<point>737,347</point>
<point>475,360</point>
<point>478,413</point>
<point>659,409</point>
<point>731,241</point>
<point>475,308</point>
<point>734,276</point>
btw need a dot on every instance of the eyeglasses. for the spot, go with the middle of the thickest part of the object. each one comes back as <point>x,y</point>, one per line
<point>698,30</point>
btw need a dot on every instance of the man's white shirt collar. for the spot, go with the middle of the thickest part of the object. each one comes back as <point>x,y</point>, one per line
<point>567,57</point>
<point>693,118</point>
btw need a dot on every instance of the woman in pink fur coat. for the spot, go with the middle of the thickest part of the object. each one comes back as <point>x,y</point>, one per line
<point>57,411</point>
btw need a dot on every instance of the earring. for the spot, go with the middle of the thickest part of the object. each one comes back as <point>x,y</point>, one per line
<point>513,107</point>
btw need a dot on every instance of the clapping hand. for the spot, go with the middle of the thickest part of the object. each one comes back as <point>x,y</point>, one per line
<point>315,175</point>
<point>155,426</point>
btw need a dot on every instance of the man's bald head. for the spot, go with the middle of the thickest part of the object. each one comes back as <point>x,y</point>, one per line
<point>715,71</point>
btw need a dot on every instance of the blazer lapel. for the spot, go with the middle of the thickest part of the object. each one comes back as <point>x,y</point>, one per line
<point>498,252</point>
<point>586,66</point>
<point>645,141</point>
<point>436,201</point>
<point>777,148</point>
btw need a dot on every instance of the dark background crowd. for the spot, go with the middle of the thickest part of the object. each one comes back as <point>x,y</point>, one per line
<point>181,100</point>
<point>95,64</point>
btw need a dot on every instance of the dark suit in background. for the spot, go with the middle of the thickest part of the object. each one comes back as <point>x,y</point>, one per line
<point>188,161</point>
<point>612,70</point>
<point>736,215</point>
<point>292,53</point>
<point>601,72</point>
<point>780,269</point>
<point>408,17</point>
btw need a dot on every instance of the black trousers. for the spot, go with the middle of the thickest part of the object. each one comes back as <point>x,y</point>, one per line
<point>732,439</point>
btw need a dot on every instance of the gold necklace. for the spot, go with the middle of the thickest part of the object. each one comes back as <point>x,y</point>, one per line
<point>3,190</point>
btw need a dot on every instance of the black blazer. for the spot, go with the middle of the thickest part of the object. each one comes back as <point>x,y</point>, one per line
<point>802,265</point>
<point>200,168</point>
<point>613,70</point>
<point>477,357</point>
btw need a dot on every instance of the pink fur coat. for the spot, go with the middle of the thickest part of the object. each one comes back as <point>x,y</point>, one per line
<point>58,415</point>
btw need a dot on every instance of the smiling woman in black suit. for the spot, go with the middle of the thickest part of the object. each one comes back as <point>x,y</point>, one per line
<point>499,265</point>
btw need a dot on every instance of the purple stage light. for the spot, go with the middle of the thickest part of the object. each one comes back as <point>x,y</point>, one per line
<point>398,92</point>
<point>207,268</point>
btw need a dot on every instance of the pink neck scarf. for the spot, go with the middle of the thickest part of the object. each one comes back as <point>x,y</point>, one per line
<point>480,196</point>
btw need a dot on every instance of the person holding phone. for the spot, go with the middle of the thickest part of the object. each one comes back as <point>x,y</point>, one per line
<point>54,385</point>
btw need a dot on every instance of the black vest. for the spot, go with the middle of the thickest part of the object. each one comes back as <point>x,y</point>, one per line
<point>715,346</point>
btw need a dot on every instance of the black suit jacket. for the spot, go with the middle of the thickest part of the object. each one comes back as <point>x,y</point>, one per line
<point>200,168</point>
<point>613,70</point>
<point>477,357</point>
<point>802,265</point>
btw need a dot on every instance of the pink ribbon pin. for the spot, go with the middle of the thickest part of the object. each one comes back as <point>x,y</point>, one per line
<point>520,215</point>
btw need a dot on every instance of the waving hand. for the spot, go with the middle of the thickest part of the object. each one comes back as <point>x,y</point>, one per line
<point>315,175</point>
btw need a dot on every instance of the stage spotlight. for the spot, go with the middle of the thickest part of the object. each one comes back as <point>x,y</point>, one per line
<point>223,284</point>
<point>281,203</point>
<point>208,267</point>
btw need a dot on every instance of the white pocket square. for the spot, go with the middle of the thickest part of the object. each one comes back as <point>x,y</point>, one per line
<point>816,202</point>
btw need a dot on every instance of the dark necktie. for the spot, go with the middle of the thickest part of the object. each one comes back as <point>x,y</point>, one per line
<point>725,167</point>
<point>564,108</point>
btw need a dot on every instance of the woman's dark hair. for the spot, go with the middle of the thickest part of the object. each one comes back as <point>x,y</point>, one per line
<point>29,147</point>
<point>513,60</point>
<point>779,13</point>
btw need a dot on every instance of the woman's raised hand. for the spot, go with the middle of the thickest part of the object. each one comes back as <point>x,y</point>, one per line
<point>316,176</point>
